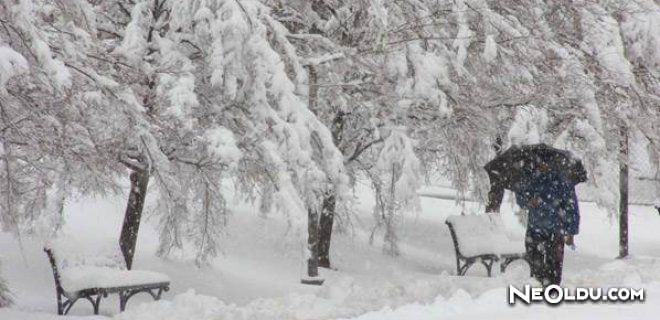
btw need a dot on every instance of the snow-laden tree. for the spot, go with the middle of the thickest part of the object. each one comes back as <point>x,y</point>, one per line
<point>623,40</point>
<point>341,42</point>
<point>218,84</point>
<point>608,92</point>
<point>639,22</point>
<point>459,74</point>
<point>183,94</point>
<point>46,146</point>
<point>567,59</point>
<point>395,178</point>
<point>48,143</point>
<point>587,64</point>
<point>418,64</point>
<point>11,64</point>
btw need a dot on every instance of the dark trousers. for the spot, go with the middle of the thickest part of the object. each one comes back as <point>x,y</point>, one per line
<point>545,255</point>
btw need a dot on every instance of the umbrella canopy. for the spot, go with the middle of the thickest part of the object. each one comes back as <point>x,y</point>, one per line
<point>511,169</point>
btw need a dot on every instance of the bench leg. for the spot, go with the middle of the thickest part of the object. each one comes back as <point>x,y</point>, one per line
<point>504,264</point>
<point>66,306</point>
<point>123,299</point>
<point>96,302</point>
<point>458,266</point>
<point>125,295</point>
<point>160,292</point>
<point>60,306</point>
<point>488,263</point>
<point>462,270</point>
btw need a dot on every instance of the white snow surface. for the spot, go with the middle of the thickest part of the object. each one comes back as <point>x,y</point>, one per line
<point>78,250</point>
<point>258,275</point>
<point>12,63</point>
<point>490,48</point>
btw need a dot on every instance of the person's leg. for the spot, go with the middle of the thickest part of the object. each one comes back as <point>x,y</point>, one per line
<point>546,269</point>
<point>553,257</point>
<point>545,256</point>
<point>557,259</point>
<point>534,256</point>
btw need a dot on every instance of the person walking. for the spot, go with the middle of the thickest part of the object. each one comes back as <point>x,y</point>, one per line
<point>553,220</point>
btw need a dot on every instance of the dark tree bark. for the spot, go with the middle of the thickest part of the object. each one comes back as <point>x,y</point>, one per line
<point>327,219</point>
<point>312,247</point>
<point>495,197</point>
<point>133,215</point>
<point>496,192</point>
<point>312,213</point>
<point>320,239</point>
<point>5,295</point>
<point>623,193</point>
<point>326,222</point>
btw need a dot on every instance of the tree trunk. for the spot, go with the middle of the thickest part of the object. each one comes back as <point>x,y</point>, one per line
<point>391,240</point>
<point>312,248</point>
<point>312,214</point>
<point>133,215</point>
<point>327,218</point>
<point>623,193</point>
<point>496,192</point>
<point>495,197</point>
<point>5,294</point>
<point>326,222</point>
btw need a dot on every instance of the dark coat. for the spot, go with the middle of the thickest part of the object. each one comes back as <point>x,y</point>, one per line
<point>558,212</point>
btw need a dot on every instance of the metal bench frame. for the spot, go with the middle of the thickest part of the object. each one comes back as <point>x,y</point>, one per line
<point>66,300</point>
<point>463,263</point>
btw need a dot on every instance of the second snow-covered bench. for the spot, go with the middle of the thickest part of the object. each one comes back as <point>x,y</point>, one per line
<point>483,238</point>
<point>93,277</point>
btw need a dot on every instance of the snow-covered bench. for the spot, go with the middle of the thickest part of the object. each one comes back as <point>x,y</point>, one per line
<point>94,276</point>
<point>483,238</point>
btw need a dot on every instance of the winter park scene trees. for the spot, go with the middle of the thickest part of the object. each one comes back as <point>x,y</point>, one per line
<point>327,159</point>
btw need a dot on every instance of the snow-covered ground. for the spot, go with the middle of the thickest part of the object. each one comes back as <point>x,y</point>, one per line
<point>258,274</point>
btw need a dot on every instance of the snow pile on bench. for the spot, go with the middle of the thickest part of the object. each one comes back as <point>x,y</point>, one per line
<point>484,234</point>
<point>70,252</point>
<point>81,278</point>
<point>96,265</point>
